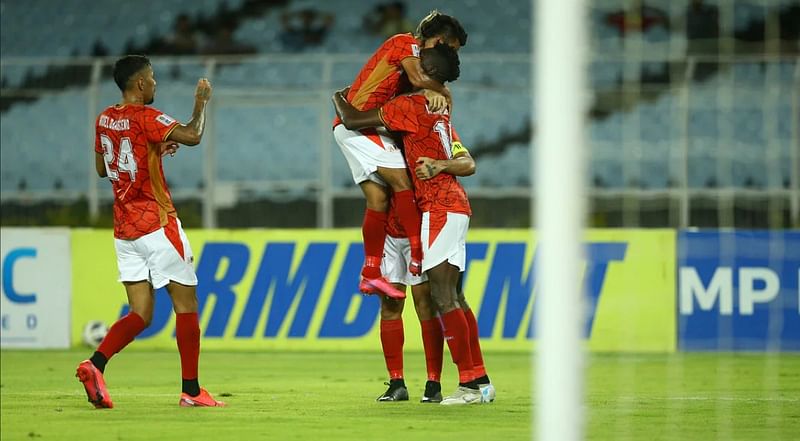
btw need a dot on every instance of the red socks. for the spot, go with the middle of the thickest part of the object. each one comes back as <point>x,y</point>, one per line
<point>187,333</point>
<point>433,342</point>
<point>392,339</point>
<point>122,332</point>
<point>475,344</point>
<point>373,230</point>
<point>456,333</point>
<point>410,219</point>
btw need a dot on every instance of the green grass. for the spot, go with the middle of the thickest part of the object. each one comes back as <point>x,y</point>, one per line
<point>330,396</point>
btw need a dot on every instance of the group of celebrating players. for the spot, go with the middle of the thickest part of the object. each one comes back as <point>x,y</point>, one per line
<point>394,118</point>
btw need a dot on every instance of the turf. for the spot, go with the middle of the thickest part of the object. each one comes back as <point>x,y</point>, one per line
<point>330,396</point>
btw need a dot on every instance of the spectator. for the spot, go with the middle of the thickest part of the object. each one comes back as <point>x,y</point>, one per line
<point>305,28</point>
<point>702,32</point>
<point>184,40</point>
<point>638,18</point>
<point>224,43</point>
<point>394,20</point>
<point>387,20</point>
<point>702,21</point>
<point>373,20</point>
<point>99,49</point>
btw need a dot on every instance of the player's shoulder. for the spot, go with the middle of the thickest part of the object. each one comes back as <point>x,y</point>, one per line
<point>405,37</point>
<point>153,114</point>
<point>400,40</point>
<point>409,100</point>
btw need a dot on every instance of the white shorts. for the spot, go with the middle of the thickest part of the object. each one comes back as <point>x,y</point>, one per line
<point>365,153</point>
<point>444,238</point>
<point>154,257</point>
<point>396,258</point>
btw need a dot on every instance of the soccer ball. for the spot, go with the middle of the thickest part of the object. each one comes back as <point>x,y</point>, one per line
<point>94,332</point>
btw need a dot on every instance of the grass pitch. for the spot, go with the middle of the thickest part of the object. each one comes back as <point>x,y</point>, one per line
<point>330,396</point>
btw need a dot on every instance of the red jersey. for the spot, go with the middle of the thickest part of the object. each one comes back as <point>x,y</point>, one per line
<point>393,226</point>
<point>126,136</point>
<point>382,77</point>
<point>426,134</point>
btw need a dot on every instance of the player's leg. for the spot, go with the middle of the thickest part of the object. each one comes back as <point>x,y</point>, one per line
<point>122,332</point>
<point>373,228</point>
<point>407,211</point>
<point>443,239</point>
<point>187,335</point>
<point>488,393</point>
<point>373,231</point>
<point>393,268</point>
<point>363,157</point>
<point>141,300</point>
<point>443,278</point>
<point>170,262</point>
<point>392,340</point>
<point>432,341</point>
<point>134,274</point>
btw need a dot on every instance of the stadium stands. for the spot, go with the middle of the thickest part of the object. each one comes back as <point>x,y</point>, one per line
<point>730,140</point>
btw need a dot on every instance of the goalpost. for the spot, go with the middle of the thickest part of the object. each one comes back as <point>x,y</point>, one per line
<point>559,43</point>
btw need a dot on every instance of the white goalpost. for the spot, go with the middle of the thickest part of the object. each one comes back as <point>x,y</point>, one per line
<point>559,43</point>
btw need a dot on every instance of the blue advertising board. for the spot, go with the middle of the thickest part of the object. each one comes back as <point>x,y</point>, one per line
<point>739,290</point>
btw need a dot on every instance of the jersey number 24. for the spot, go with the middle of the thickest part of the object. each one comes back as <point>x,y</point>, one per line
<point>125,162</point>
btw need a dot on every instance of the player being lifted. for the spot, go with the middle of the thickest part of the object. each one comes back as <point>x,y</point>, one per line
<point>445,211</point>
<point>373,157</point>
<point>151,247</point>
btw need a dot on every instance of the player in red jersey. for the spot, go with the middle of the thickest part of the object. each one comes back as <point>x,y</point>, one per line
<point>394,267</point>
<point>152,249</point>
<point>445,210</point>
<point>374,159</point>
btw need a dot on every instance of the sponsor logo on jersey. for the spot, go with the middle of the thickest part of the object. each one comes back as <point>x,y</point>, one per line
<point>415,50</point>
<point>165,119</point>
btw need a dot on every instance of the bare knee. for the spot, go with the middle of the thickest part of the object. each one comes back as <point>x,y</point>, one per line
<point>377,196</point>
<point>443,298</point>
<point>391,309</point>
<point>143,311</point>
<point>184,297</point>
<point>423,304</point>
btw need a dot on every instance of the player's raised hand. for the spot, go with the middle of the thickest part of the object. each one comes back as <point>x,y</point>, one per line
<point>427,168</point>
<point>436,101</point>
<point>203,91</point>
<point>168,148</point>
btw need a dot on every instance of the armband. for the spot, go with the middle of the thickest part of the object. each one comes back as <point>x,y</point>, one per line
<point>456,148</point>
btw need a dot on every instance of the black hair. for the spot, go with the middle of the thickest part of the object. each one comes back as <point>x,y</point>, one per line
<point>438,24</point>
<point>441,63</point>
<point>128,66</point>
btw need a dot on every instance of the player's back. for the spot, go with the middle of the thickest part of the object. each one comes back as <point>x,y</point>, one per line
<point>126,136</point>
<point>382,76</point>
<point>427,134</point>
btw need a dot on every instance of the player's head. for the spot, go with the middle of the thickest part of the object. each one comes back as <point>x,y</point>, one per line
<point>134,74</point>
<point>440,28</point>
<point>441,62</point>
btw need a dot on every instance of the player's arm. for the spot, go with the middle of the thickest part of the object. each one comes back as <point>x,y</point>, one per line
<point>420,80</point>
<point>352,118</point>
<point>462,164</point>
<point>100,165</point>
<point>191,133</point>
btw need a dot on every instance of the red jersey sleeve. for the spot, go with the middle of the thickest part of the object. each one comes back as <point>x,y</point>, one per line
<point>402,46</point>
<point>156,124</point>
<point>400,114</point>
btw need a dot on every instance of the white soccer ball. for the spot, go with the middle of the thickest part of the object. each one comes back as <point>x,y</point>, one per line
<point>94,332</point>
